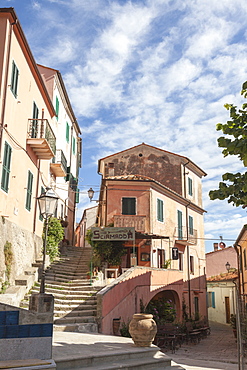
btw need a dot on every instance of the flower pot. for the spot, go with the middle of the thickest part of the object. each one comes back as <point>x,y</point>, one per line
<point>142,329</point>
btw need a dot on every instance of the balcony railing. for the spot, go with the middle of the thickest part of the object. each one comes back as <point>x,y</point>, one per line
<point>59,164</point>
<point>184,236</point>
<point>136,221</point>
<point>41,138</point>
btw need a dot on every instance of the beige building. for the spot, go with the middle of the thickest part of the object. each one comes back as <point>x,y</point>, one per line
<point>34,153</point>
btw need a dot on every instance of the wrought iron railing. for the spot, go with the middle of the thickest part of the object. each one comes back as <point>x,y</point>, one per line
<point>39,128</point>
<point>136,221</point>
<point>61,159</point>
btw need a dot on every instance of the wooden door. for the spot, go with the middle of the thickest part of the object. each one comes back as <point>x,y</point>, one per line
<point>227,308</point>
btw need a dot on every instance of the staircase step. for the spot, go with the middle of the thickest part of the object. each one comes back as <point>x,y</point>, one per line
<point>74,320</point>
<point>81,328</point>
<point>75,313</point>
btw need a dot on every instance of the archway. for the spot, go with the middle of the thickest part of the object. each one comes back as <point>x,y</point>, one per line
<point>165,306</point>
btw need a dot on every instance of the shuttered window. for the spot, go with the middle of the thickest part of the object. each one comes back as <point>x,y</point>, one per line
<point>211,299</point>
<point>190,186</point>
<point>41,192</point>
<point>14,79</point>
<point>6,167</point>
<point>180,225</point>
<point>128,206</point>
<point>73,145</point>
<point>57,107</point>
<point>160,210</point>
<point>191,226</point>
<point>35,121</point>
<point>29,190</point>
<point>67,132</point>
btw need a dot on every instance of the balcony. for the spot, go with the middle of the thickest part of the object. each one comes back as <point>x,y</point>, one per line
<point>138,222</point>
<point>59,164</point>
<point>185,238</point>
<point>41,138</point>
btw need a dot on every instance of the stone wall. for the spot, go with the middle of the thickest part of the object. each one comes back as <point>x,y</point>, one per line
<point>25,246</point>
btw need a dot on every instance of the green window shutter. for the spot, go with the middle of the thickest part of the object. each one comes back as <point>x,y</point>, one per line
<point>77,195</point>
<point>191,226</point>
<point>67,132</point>
<point>128,206</point>
<point>14,79</point>
<point>190,189</point>
<point>29,190</point>
<point>180,225</point>
<point>6,167</point>
<point>35,121</point>
<point>160,207</point>
<point>213,299</point>
<point>73,145</point>
<point>57,107</point>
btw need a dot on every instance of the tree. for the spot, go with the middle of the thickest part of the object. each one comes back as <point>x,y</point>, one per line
<point>55,235</point>
<point>234,186</point>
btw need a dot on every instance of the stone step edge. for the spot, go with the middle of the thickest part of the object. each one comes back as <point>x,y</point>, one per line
<point>118,359</point>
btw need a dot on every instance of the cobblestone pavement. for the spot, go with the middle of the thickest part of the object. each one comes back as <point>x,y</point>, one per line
<point>217,351</point>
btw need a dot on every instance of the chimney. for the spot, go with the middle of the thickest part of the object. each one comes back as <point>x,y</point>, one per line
<point>216,247</point>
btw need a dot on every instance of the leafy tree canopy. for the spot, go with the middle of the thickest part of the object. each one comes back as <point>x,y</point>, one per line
<point>234,186</point>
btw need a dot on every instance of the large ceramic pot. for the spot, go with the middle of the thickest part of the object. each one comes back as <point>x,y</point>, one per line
<point>142,329</point>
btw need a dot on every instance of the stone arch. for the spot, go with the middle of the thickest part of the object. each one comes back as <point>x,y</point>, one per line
<point>172,295</point>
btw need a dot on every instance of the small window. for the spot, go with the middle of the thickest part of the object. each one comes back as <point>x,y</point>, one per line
<point>128,206</point>
<point>57,107</point>
<point>6,167</point>
<point>191,226</point>
<point>190,186</point>
<point>67,132</point>
<point>73,145</point>
<point>192,265</point>
<point>211,299</point>
<point>180,261</point>
<point>245,261</point>
<point>29,190</point>
<point>14,79</point>
<point>160,208</point>
<point>180,225</point>
<point>196,303</point>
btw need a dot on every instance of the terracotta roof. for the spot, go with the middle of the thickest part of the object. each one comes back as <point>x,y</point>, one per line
<point>224,276</point>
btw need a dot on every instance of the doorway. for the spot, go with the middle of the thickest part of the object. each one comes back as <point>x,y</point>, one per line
<point>227,309</point>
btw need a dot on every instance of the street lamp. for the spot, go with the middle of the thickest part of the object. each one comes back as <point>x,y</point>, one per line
<point>47,205</point>
<point>228,266</point>
<point>90,194</point>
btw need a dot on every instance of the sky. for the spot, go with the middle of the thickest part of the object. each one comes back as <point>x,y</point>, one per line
<point>153,71</point>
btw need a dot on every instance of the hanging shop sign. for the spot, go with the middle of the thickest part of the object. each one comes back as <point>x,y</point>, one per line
<point>113,233</point>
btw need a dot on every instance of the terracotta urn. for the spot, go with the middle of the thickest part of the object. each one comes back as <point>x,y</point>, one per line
<point>142,329</point>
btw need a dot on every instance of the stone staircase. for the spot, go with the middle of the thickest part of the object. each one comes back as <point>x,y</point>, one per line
<point>75,302</point>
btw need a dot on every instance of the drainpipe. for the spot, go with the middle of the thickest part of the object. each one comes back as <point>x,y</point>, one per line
<point>5,84</point>
<point>240,267</point>
<point>187,235</point>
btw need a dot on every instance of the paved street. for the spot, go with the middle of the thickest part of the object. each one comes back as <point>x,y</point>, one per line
<point>217,351</point>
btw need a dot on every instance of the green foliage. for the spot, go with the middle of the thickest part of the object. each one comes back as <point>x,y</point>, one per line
<point>106,251</point>
<point>124,330</point>
<point>162,310</point>
<point>167,264</point>
<point>55,235</point>
<point>234,186</point>
<point>8,258</point>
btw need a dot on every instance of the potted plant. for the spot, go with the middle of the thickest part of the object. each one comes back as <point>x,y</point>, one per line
<point>233,323</point>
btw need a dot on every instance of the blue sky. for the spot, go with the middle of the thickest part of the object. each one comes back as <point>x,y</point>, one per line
<point>151,71</point>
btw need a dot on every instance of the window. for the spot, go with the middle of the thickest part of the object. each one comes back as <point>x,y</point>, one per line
<point>190,189</point>
<point>29,190</point>
<point>57,107</point>
<point>191,225</point>
<point>211,299</point>
<point>35,121</point>
<point>67,132</point>
<point>180,261</point>
<point>73,145</point>
<point>196,303</point>
<point>192,264</point>
<point>180,225</point>
<point>160,207</point>
<point>128,206</point>
<point>245,261</point>
<point>40,215</point>
<point>14,79</point>
<point>6,167</point>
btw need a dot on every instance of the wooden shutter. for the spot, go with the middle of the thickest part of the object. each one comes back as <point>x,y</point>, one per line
<point>29,190</point>
<point>180,225</point>
<point>6,167</point>
<point>128,206</point>
<point>160,215</point>
<point>191,227</point>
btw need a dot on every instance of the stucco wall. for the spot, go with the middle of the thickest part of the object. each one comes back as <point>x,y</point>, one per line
<point>216,261</point>
<point>221,290</point>
<point>26,248</point>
